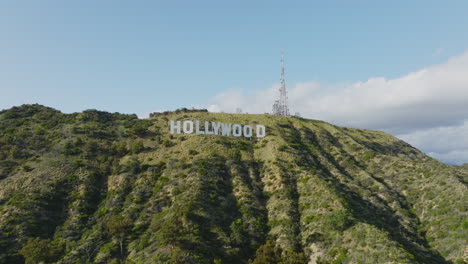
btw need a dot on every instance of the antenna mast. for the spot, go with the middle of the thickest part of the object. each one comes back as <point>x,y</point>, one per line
<point>280,107</point>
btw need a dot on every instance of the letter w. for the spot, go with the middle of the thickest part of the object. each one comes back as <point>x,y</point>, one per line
<point>226,129</point>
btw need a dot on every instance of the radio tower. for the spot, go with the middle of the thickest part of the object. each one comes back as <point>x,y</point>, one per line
<point>280,107</point>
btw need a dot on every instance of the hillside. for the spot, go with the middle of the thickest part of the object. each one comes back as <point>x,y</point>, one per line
<point>97,187</point>
<point>463,167</point>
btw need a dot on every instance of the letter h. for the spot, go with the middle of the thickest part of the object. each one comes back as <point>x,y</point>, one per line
<point>175,126</point>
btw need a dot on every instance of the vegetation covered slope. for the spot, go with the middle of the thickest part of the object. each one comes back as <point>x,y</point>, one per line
<point>96,187</point>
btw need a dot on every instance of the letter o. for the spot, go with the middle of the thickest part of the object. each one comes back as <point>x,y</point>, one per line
<point>188,127</point>
<point>237,130</point>
<point>247,131</point>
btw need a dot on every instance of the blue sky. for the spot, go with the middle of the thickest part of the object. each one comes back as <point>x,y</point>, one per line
<point>138,57</point>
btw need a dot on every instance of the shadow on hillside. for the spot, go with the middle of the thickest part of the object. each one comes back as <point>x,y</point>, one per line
<point>362,210</point>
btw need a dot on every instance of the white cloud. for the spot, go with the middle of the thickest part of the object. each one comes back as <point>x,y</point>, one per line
<point>440,139</point>
<point>455,157</point>
<point>214,108</point>
<point>427,107</point>
<point>229,101</point>
<point>449,144</point>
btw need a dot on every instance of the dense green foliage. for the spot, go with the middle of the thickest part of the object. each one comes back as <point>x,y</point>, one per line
<point>97,187</point>
<point>37,250</point>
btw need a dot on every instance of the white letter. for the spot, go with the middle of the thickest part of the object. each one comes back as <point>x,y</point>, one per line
<point>207,130</point>
<point>197,128</point>
<point>237,130</point>
<point>188,127</point>
<point>226,129</point>
<point>174,127</point>
<point>247,131</point>
<point>261,131</point>
<point>216,127</point>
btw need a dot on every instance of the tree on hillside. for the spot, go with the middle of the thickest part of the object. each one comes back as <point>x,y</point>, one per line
<point>119,228</point>
<point>38,250</point>
<point>269,253</point>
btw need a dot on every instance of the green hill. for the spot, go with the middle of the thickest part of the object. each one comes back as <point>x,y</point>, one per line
<point>97,187</point>
<point>463,167</point>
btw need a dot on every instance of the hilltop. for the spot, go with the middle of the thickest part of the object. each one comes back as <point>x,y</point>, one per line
<point>98,187</point>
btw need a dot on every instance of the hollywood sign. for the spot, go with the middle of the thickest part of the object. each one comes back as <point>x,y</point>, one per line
<point>216,128</point>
